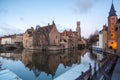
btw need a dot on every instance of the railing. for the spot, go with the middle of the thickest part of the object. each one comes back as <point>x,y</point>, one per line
<point>107,67</point>
<point>86,75</point>
<point>104,71</point>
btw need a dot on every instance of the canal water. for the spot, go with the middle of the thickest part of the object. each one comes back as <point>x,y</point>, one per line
<point>47,65</point>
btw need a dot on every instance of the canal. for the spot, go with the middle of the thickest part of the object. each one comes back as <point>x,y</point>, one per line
<point>47,65</point>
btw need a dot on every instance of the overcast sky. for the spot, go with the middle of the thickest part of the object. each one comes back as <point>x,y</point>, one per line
<point>18,15</point>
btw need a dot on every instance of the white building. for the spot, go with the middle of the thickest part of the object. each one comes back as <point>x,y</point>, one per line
<point>99,44</point>
<point>100,40</point>
<point>98,47</point>
<point>6,40</point>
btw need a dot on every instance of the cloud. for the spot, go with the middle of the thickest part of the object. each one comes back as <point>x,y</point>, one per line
<point>6,29</point>
<point>83,6</point>
<point>21,19</point>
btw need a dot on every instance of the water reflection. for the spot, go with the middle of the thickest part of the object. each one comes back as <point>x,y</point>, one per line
<point>47,62</point>
<point>12,55</point>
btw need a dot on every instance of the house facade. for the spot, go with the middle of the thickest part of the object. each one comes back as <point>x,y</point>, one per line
<point>28,38</point>
<point>47,37</point>
<point>41,37</point>
<point>69,39</point>
<point>6,40</point>
<point>17,39</point>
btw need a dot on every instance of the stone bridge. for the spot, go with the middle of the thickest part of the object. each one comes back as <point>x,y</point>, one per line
<point>10,47</point>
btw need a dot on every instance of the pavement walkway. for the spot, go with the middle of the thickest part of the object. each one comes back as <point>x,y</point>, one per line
<point>116,72</point>
<point>73,73</point>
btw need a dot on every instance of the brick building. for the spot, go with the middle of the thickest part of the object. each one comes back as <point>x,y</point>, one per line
<point>69,39</point>
<point>111,33</point>
<point>112,20</point>
<point>49,37</point>
<point>41,37</point>
<point>17,39</point>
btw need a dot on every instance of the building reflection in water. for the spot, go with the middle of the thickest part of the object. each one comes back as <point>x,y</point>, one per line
<point>12,55</point>
<point>48,62</point>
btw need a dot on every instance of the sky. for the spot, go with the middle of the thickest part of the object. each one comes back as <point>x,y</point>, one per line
<point>16,16</point>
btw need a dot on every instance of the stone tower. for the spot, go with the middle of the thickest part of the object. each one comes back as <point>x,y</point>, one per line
<point>112,20</point>
<point>78,30</point>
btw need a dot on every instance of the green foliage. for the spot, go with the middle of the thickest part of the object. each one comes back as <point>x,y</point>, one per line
<point>81,46</point>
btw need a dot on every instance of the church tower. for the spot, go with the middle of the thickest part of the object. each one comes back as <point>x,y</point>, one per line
<point>78,30</point>
<point>118,35</point>
<point>112,20</point>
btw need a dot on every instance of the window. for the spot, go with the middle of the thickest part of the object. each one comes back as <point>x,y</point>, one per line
<point>111,42</point>
<point>112,23</point>
<point>110,47</point>
<point>112,28</point>
<point>54,42</point>
<point>112,18</point>
<point>111,35</point>
<point>26,41</point>
<point>116,29</point>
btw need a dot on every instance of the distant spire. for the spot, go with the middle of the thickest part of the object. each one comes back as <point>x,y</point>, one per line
<point>112,10</point>
<point>53,22</point>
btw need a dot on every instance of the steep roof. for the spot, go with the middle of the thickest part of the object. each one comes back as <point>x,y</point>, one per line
<point>29,30</point>
<point>67,33</point>
<point>46,29</point>
<point>112,11</point>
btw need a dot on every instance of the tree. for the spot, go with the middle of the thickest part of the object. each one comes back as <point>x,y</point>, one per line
<point>93,37</point>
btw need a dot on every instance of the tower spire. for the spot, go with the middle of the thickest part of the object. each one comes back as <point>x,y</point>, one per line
<point>112,10</point>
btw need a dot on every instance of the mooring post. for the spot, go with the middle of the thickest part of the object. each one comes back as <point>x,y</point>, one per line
<point>82,74</point>
<point>95,68</point>
<point>90,68</point>
<point>99,65</point>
